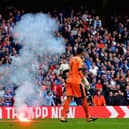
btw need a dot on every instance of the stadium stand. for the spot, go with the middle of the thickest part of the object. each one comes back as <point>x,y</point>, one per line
<point>106,56</point>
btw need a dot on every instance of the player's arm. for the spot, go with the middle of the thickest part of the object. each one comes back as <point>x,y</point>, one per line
<point>84,80</point>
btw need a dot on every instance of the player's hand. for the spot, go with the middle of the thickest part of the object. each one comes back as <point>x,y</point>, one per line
<point>88,87</point>
<point>86,83</point>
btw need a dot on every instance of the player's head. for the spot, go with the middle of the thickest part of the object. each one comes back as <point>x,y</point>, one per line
<point>79,52</point>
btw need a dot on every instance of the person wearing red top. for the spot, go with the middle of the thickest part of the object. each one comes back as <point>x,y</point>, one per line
<point>99,99</point>
<point>99,85</point>
<point>101,45</point>
<point>52,67</point>
<point>59,91</point>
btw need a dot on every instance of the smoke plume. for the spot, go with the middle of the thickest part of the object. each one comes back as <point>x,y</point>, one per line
<point>36,34</point>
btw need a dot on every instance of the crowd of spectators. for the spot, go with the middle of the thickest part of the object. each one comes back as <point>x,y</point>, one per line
<point>106,57</point>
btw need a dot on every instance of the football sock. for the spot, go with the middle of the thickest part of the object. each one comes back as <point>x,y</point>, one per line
<point>85,106</point>
<point>66,107</point>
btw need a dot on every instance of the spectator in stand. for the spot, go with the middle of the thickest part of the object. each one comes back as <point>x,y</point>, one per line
<point>110,98</point>
<point>8,98</point>
<point>126,94</point>
<point>18,16</point>
<point>93,87</point>
<point>2,101</point>
<point>64,65</point>
<point>94,69</point>
<point>97,22</point>
<point>99,85</point>
<point>119,98</point>
<point>57,70</point>
<point>59,92</point>
<point>49,99</point>
<point>99,99</point>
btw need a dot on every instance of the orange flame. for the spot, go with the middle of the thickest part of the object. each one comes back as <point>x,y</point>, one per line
<point>22,118</point>
<point>24,114</point>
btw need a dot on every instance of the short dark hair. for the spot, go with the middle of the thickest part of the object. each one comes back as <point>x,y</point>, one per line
<point>48,92</point>
<point>79,50</point>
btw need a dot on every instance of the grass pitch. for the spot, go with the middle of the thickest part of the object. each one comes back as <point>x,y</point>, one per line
<point>72,124</point>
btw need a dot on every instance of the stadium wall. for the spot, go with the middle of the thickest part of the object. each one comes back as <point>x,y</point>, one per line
<point>74,112</point>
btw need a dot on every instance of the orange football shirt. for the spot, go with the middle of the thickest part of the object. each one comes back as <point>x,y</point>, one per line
<point>74,65</point>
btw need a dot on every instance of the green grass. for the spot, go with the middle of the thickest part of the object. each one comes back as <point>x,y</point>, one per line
<point>72,124</point>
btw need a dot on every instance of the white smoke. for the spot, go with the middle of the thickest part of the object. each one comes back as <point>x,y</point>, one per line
<point>36,30</point>
<point>36,34</point>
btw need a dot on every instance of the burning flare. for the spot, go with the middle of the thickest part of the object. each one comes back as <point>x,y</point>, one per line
<point>23,118</point>
<point>24,114</point>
